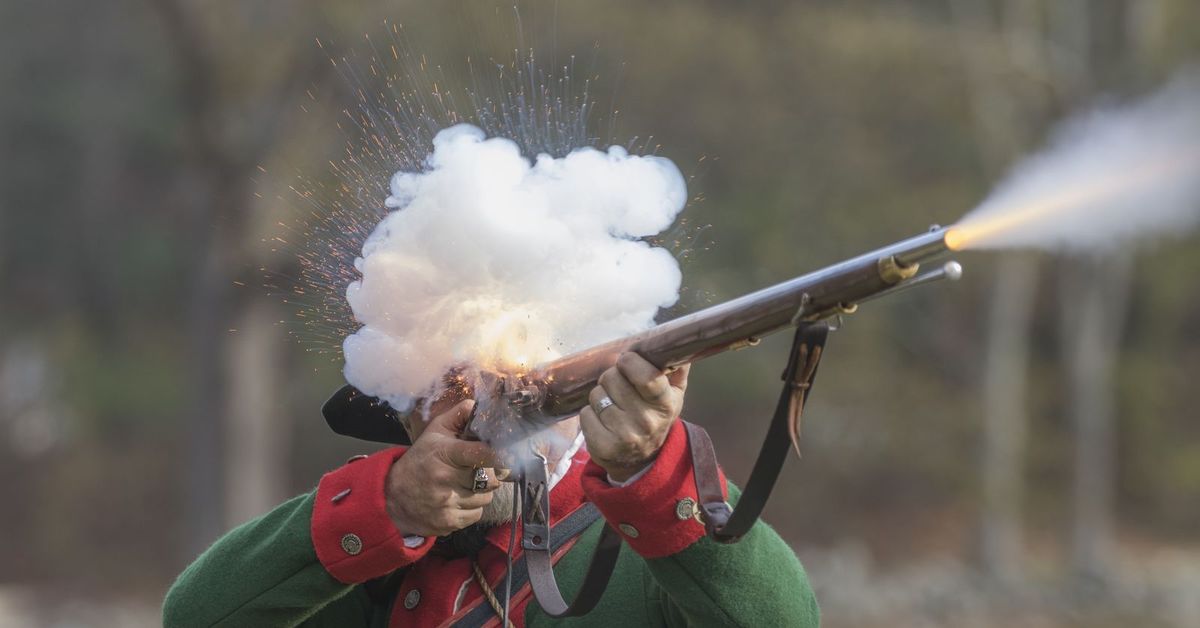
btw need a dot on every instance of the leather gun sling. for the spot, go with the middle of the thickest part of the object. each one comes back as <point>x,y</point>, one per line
<point>348,406</point>
<point>722,524</point>
<point>565,530</point>
<point>727,525</point>
<point>535,541</point>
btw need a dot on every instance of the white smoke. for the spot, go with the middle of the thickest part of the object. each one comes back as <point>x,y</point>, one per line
<point>492,260</point>
<point>1108,176</point>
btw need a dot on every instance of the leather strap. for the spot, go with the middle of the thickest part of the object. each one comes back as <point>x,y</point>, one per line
<point>725,524</point>
<point>722,523</point>
<point>535,540</point>
<point>566,529</point>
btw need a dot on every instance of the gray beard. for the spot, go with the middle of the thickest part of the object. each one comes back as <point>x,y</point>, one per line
<point>499,510</point>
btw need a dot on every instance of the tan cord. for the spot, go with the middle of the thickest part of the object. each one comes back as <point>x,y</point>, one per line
<point>488,593</point>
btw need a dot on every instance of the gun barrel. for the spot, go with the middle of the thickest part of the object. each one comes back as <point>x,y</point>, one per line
<point>565,383</point>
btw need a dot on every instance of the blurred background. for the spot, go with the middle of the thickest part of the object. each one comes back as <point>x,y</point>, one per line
<point>1018,449</point>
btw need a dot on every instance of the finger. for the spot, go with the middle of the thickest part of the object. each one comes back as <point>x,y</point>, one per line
<point>623,394</point>
<point>468,479</point>
<point>469,517</point>
<point>679,377</point>
<point>470,501</point>
<point>597,435</point>
<point>614,419</point>
<point>453,421</point>
<point>587,416</point>
<point>466,454</point>
<point>596,395</point>
<point>648,379</point>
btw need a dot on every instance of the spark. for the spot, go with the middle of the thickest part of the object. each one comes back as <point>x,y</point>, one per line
<point>400,102</point>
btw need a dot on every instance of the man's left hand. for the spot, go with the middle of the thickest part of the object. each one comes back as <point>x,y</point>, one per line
<point>625,437</point>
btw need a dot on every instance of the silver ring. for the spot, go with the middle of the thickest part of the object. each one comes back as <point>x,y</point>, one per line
<point>481,480</point>
<point>605,403</point>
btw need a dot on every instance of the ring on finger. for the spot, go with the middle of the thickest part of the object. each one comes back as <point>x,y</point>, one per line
<point>605,403</point>
<point>480,480</point>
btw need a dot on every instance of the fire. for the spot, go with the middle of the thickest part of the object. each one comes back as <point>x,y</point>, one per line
<point>956,239</point>
<point>514,342</point>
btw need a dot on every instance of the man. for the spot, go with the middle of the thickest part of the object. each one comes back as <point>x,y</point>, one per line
<point>363,549</point>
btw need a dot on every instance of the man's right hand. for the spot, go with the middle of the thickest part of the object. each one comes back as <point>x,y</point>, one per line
<point>429,488</point>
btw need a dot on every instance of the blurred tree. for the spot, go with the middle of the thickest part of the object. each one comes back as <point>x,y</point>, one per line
<point>1095,300</point>
<point>1055,45</point>
<point>992,44</point>
<point>1091,42</point>
<point>233,114</point>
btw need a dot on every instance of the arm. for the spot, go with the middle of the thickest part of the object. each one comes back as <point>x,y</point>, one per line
<point>291,566</point>
<point>757,581</point>
<point>301,562</point>
<point>632,432</point>
<point>264,572</point>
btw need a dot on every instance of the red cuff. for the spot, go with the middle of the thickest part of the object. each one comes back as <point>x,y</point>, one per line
<point>354,537</point>
<point>653,513</point>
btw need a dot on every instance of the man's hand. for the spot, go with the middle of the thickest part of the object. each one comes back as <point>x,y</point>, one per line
<point>429,487</point>
<point>625,437</point>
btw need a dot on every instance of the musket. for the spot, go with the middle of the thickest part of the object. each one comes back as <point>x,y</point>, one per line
<point>511,406</point>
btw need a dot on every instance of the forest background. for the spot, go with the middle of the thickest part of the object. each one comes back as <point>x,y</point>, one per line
<point>1020,448</point>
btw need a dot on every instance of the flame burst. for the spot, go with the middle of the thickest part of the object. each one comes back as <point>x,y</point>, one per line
<point>513,343</point>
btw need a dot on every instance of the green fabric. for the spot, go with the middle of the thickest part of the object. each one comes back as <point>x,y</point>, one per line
<point>757,581</point>
<point>265,573</point>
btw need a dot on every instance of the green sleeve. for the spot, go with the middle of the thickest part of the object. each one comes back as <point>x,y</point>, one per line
<point>757,581</point>
<point>264,573</point>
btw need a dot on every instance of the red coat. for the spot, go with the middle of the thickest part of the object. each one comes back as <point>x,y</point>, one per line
<point>310,561</point>
<point>437,588</point>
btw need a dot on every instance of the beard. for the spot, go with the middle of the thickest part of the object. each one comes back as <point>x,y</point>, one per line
<point>499,510</point>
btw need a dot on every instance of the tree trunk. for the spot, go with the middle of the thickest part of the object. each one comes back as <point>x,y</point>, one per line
<point>1095,296</point>
<point>1004,416</point>
<point>1094,303</point>
<point>217,199</point>
<point>206,311</point>
<point>1001,131</point>
<point>257,441</point>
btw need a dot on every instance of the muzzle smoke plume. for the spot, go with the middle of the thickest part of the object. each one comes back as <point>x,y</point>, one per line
<point>490,259</point>
<point>1108,176</point>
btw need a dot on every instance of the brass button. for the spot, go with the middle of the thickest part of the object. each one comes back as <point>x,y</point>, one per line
<point>412,599</point>
<point>351,544</point>
<point>628,530</point>
<point>685,509</point>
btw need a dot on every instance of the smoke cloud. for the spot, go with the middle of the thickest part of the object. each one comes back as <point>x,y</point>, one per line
<point>1108,176</point>
<point>491,259</point>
